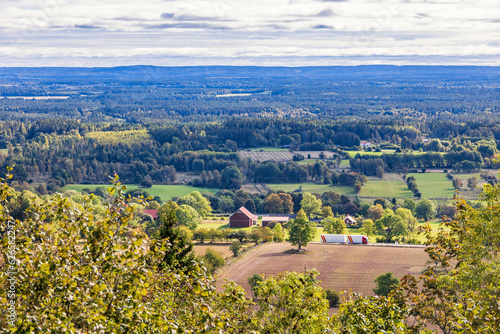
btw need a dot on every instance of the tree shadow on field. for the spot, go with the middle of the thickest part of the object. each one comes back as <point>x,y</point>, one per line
<point>288,252</point>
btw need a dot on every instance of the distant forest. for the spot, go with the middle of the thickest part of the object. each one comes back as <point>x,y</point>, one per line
<point>142,94</point>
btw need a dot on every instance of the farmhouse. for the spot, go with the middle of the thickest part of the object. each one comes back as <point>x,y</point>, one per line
<point>365,144</point>
<point>349,220</point>
<point>242,218</point>
<point>278,219</point>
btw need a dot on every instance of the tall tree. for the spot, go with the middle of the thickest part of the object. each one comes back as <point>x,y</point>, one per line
<point>179,250</point>
<point>310,204</point>
<point>390,225</point>
<point>424,209</point>
<point>273,204</point>
<point>287,202</point>
<point>198,202</point>
<point>334,225</point>
<point>300,231</point>
<point>187,216</point>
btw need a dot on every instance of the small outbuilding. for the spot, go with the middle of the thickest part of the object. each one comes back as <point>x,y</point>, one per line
<point>242,218</point>
<point>278,219</point>
<point>349,220</point>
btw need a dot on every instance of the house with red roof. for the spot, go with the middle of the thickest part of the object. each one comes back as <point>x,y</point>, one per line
<point>349,220</point>
<point>242,218</point>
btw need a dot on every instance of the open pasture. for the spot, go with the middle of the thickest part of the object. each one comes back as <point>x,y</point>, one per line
<point>391,185</point>
<point>165,191</point>
<point>341,267</point>
<point>352,154</point>
<point>312,188</point>
<point>434,185</point>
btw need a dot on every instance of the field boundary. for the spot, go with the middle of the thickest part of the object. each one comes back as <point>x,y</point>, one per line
<point>369,244</point>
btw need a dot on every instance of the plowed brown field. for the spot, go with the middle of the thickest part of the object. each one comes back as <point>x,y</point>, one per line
<point>341,267</point>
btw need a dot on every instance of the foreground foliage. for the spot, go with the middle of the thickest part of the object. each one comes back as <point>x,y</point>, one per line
<point>73,270</point>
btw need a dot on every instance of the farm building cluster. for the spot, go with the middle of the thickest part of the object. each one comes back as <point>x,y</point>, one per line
<point>244,218</point>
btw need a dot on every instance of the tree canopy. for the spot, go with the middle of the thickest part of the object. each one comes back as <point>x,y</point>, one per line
<point>300,231</point>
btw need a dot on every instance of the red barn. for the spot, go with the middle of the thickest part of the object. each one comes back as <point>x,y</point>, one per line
<point>242,218</point>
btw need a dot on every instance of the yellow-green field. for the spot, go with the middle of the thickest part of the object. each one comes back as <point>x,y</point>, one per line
<point>165,192</point>
<point>115,137</point>
<point>392,185</point>
<point>312,188</point>
<point>434,185</point>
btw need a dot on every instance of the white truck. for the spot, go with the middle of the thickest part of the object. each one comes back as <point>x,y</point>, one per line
<point>334,238</point>
<point>344,239</point>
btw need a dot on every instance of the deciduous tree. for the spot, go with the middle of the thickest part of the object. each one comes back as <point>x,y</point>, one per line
<point>310,204</point>
<point>300,232</point>
<point>334,225</point>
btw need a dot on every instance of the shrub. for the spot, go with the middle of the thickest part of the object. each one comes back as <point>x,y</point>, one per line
<point>235,248</point>
<point>385,284</point>
<point>213,260</point>
<point>333,298</point>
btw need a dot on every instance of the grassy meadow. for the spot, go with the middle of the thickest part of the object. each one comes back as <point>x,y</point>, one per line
<point>434,185</point>
<point>312,188</point>
<point>392,187</point>
<point>165,192</point>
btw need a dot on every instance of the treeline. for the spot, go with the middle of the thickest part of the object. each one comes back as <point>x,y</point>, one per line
<point>466,161</point>
<point>59,152</point>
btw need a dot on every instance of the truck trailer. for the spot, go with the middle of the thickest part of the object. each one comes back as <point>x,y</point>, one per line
<point>334,238</point>
<point>344,239</point>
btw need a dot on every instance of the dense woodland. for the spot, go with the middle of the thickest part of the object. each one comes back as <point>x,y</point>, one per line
<point>141,94</point>
<point>58,152</point>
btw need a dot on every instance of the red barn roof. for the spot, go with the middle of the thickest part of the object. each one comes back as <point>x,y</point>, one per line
<point>247,213</point>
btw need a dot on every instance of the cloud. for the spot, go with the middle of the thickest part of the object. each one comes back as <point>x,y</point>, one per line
<point>86,26</point>
<point>241,31</point>
<point>327,12</point>
<point>167,15</point>
<point>322,26</point>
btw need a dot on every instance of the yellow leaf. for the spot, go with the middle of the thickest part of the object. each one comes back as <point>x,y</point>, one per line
<point>44,268</point>
<point>144,292</point>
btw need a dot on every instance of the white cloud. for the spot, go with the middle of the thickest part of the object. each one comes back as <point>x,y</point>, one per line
<point>242,31</point>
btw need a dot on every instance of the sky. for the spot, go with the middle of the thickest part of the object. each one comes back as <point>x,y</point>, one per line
<point>249,32</point>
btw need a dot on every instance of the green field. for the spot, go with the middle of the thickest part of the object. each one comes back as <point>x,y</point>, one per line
<point>386,188</point>
<point>434,185</point>
<point>311,161</point>
<point>344,164</point>
<point>165,192</point>
<point>312,188</point>
<point>353,153</point>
